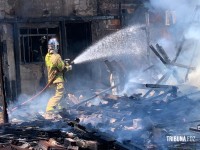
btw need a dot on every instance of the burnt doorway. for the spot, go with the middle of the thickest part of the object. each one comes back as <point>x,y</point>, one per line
<point>79,37</point>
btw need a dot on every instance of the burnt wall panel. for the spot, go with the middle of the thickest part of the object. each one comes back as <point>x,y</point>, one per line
<point>109,7</point>
<point>103,28</point>
<point>7,8</point>
<point>2,12</point>
<point>8,91</point>
<point>1,85</point>
<point>39,8</point>
<point>9,58</point>
<point>3,104</point>
<point>31,75</point>
<point>8,35</point>
<point>85,7</point>
<point>68,7</point>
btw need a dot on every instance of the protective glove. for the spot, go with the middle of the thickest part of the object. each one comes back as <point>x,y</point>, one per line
<point>68,67</point>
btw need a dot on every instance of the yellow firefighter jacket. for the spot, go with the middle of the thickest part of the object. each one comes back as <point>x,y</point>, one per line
<point>54,63</point>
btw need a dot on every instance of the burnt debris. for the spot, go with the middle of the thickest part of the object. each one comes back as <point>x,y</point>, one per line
<point>116,122</point>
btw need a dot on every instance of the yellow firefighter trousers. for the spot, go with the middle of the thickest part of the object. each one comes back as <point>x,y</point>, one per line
<point>55,100</point>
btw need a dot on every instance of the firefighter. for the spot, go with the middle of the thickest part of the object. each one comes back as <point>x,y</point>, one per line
<point>55,68</point>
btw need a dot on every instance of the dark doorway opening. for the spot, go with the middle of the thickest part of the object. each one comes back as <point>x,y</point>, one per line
<point>79,37</point>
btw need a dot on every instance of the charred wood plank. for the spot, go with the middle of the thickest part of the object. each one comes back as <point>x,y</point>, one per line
<point>194,129</point>
<point>109,66</point>
<point>184,96</point>
<point>150,67</point>
<point>157,54</point>
<point>179,50</point>
<point>2,92</point>
<point>106,141</point>
<point>162,95</point>
<point>56,19</point>
<point>170,89</point>
<point>182,66</point>
<point>163,53</point>
<point>159,86</point>
<point>84,101</point>
<point>165,76</point>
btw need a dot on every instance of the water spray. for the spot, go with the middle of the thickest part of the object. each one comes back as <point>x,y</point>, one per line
<point>72,63</point>
<point>126,42</point>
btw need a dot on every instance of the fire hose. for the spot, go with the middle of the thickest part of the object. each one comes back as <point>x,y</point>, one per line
<point>33,97</point>
<point>75,106</point>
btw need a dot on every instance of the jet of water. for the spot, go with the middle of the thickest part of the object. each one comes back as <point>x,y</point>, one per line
<point>128,41</point>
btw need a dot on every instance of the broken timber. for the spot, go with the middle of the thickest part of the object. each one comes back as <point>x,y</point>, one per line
<point>84,101</point>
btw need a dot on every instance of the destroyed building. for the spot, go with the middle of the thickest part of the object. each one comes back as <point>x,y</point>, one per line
<point>147,95</point>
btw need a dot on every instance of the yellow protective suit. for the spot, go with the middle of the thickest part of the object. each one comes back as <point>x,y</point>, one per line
<point>54,63</point>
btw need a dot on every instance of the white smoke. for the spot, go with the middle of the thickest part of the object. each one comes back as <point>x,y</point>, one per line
<point>187,27</point>
<point>30,110</point>
<point>184,9</point>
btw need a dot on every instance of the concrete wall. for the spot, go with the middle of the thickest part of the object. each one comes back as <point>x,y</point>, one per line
<point>8,37</point>
<point>85,7</point>
<point>7,11</point>
<point>109,7</point>
<point>38,8</point>
<point>102,28</point>
<point>31,78</point>
<point>7,8</point>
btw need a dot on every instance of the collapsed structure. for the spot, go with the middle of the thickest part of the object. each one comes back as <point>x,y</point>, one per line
<point>132,113</point>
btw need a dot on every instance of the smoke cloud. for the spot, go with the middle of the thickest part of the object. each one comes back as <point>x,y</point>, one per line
<point>186,28</point>
<point>31,110</point>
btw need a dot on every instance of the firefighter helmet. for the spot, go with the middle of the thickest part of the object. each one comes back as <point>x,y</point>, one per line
<point>53,45</point>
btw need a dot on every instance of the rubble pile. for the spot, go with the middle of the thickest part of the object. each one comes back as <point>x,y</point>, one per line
<point>54,135</point>
<point>139,121</point>
<point>110,122</point>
